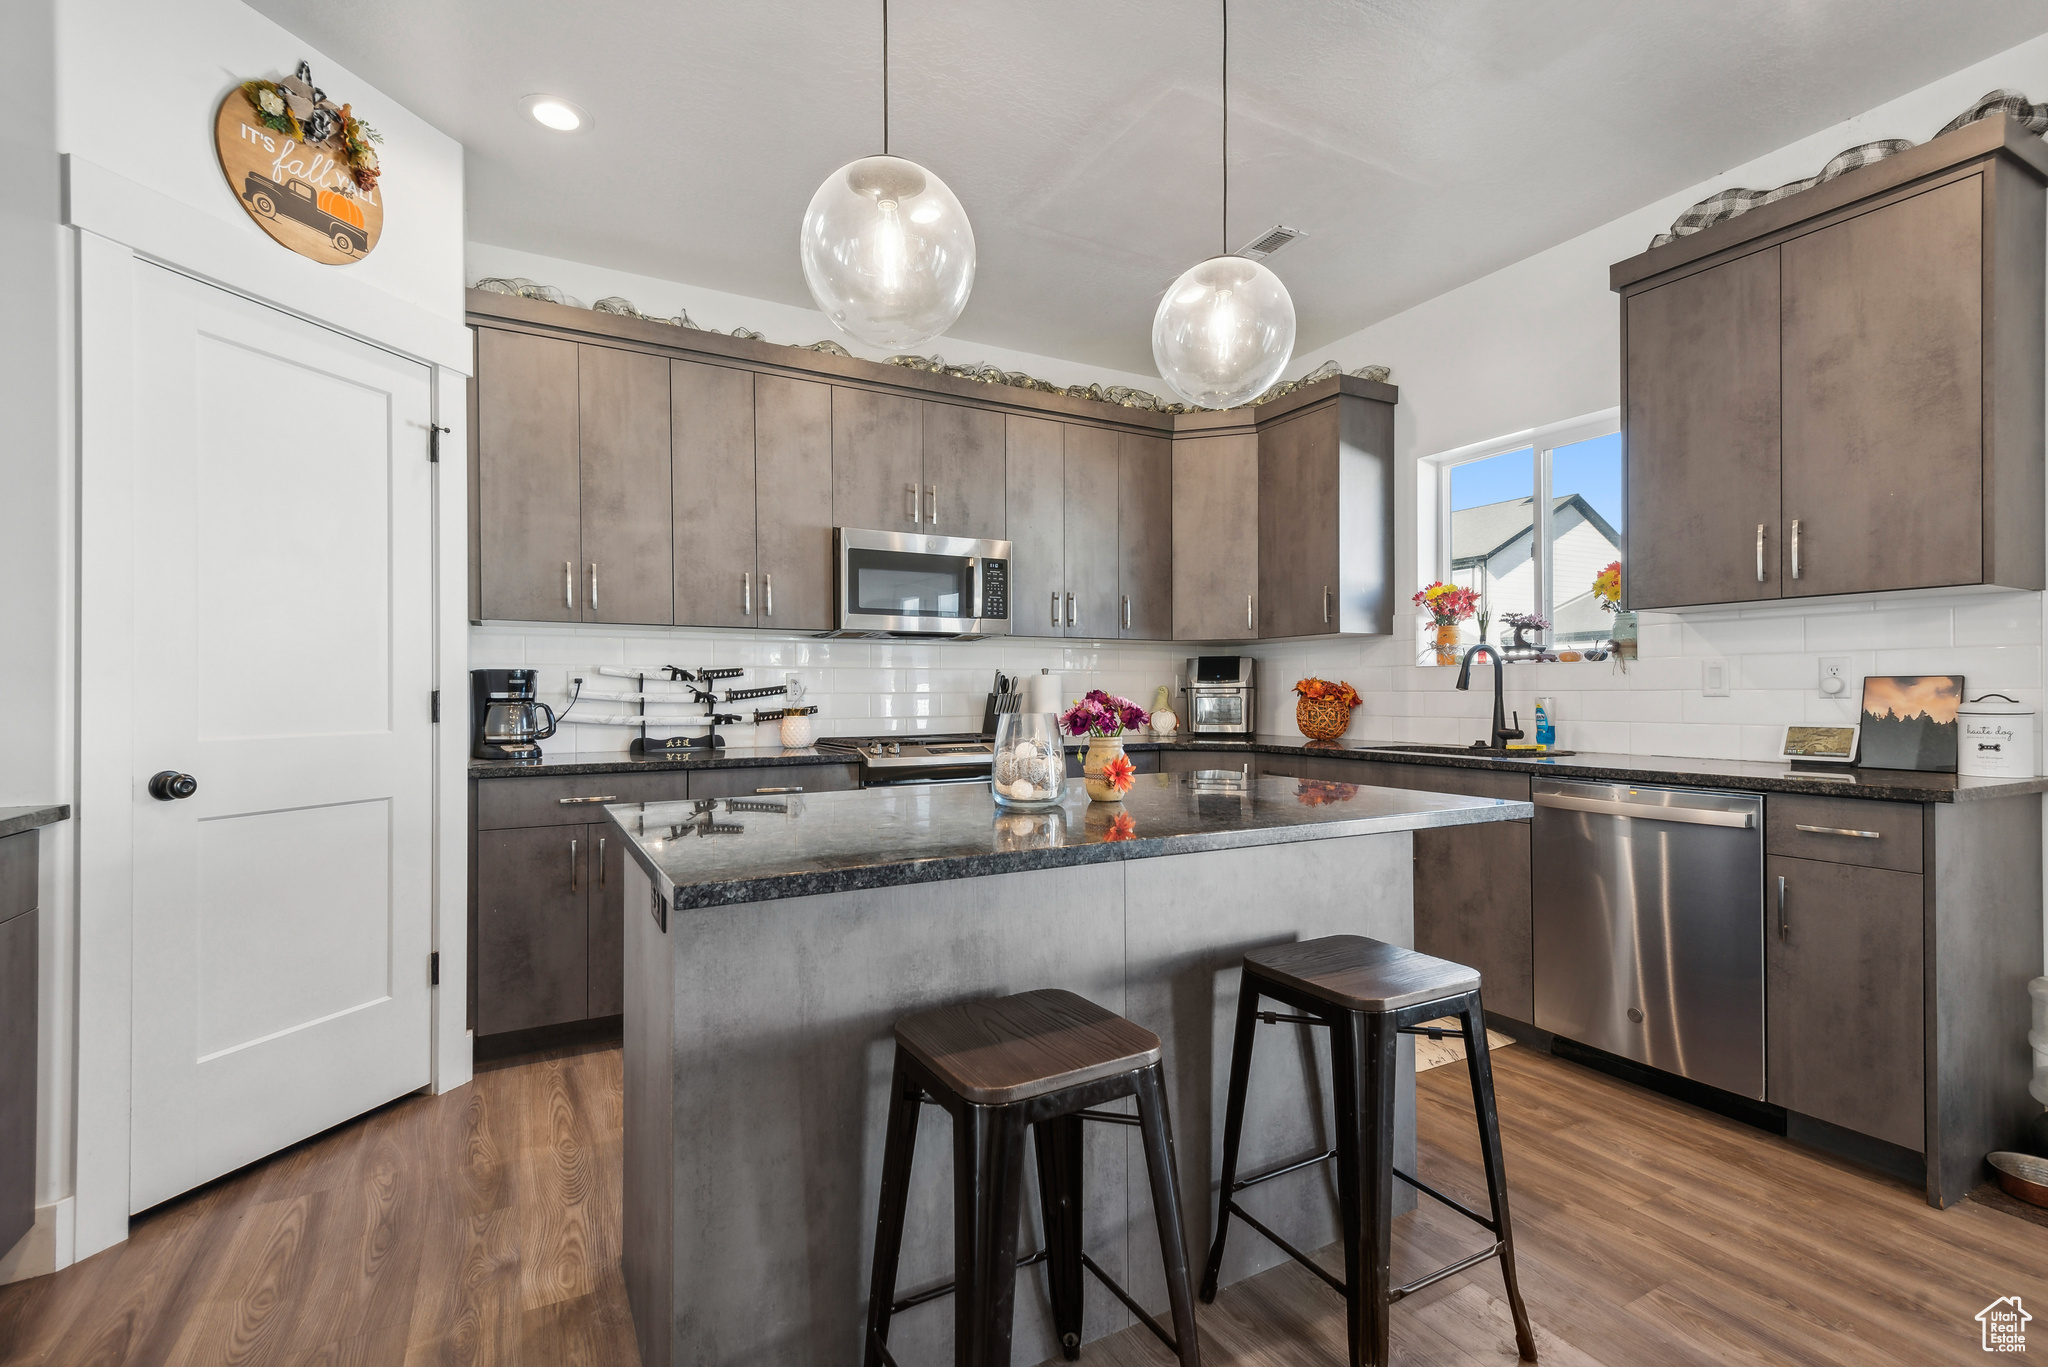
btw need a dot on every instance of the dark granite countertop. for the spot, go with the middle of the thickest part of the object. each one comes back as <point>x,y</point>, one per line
<point>720,852</point>
<point>613,762</point>
<point>15,820</point>
<point>1891,785</point>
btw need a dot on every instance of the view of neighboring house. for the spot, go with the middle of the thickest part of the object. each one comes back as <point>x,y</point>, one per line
<point>1491,555</point>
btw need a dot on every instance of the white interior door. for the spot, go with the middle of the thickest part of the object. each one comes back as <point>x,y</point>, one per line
<point>283,594</point>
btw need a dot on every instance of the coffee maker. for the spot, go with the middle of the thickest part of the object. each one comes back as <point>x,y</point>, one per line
<point>504,718</point>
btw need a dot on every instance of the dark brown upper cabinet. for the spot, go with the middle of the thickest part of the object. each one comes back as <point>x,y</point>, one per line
<point>1090,478</point>
<point>1326,517</point>
<point>1842,392</point>
<point>1144,537</point>
<point>877,461</point>
<point>963,471</point>
<point>716,578</point>
<point>1034,480</point>
<point>1215,537</point>
<point>793,503</point>
<point>528,510</point>
<point>571,463</point>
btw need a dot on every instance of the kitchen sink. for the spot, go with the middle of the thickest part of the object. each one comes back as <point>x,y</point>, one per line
<point>1486,750</point>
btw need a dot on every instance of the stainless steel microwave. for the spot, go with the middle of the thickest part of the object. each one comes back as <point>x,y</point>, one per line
<point>908,584</point>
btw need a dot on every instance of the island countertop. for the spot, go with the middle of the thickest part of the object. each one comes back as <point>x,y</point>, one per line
<point>725,851</point>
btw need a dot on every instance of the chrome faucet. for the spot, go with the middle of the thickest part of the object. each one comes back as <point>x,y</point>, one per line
<point>1502,732</point>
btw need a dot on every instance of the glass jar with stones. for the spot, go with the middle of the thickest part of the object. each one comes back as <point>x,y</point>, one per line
<point>1030,768</point>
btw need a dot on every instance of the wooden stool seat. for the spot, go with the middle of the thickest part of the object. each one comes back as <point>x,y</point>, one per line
<point>1353,973</point>
<point>1002,1050</point>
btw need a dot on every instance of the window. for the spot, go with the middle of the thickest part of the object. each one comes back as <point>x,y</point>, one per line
<point>1528,525</point>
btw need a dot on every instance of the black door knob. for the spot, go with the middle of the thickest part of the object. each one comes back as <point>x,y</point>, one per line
<point>171,785</point>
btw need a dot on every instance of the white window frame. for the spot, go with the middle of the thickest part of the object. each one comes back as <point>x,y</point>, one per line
<point>1543,441</point>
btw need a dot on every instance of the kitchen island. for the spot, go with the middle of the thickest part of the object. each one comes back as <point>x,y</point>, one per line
<point>772,942</point>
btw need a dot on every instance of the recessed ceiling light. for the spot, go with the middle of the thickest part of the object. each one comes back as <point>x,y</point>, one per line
<point>552,111</point>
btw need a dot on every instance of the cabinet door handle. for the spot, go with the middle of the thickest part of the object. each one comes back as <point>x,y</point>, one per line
<point>1248,612</point>
<point>916,505</point>
<point>1326,605</point>
<point>747,594</point>
<point>1759,552</point>
<point>1127,612</point>
<point>585,801</point>
<point>1071,617</point>
<point>568,585</point>
<point>933,520</point>
<point>1838,830</point>
<point>593,583</point>
<point>600,861</point>
<point>1795,548</point>
<point>779,790</point>
<point>575,869</point>
<point>1055,607</point>
<point>767,595</point>
<point>1784,926</point>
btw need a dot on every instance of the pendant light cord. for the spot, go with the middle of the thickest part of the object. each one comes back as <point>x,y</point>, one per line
<point>1226,123</point>
<point>885,77</point>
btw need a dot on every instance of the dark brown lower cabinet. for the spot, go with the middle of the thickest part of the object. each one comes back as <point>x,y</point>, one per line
<point>18,993</point>
<point>1845,996</point>
<point>532,927</point>
<point>607,934</point>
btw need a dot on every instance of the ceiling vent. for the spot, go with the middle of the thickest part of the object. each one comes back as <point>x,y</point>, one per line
<point>1270,241</point>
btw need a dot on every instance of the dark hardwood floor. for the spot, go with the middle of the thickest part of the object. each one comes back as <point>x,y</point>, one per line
<point>482,1227</point>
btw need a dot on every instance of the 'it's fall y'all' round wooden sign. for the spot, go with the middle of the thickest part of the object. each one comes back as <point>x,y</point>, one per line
<point>305,193</point>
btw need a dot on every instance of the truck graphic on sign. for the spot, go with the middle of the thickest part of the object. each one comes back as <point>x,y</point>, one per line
<point>334,216</point>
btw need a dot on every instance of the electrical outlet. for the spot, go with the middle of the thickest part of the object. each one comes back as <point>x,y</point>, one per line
<point>1715,682</point>
<point>1834,676</point>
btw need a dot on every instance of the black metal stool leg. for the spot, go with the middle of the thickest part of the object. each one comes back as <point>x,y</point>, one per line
<point>1479,1064</point>
<point>1059,1200</point>
<point>1362,1057</point>
<point>1173,1248</point>
<point>1233,1125</point>
<point>988,1183</point>
<point>898,1147</point>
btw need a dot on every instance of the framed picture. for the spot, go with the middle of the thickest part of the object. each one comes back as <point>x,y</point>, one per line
<point>1909,722</point>
<point>1821,744</point>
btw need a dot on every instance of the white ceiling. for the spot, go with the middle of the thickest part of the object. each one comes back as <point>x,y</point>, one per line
<point>1418,143</point>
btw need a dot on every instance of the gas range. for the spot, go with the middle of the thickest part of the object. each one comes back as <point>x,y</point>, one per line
<point>915,759</point>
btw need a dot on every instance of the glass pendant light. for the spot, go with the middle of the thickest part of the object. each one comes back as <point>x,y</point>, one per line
<point>1225,329</point>
<point>887,250</point>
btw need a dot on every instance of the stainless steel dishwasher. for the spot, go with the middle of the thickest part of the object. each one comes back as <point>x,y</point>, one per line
<point>1649,926</point>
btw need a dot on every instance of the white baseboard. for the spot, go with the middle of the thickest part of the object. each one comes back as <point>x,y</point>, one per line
<point>49,1245</point>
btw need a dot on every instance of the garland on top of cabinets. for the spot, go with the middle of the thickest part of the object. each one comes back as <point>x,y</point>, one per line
<point>1122,396</point>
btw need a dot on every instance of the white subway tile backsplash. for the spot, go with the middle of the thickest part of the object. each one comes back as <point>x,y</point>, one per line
<point>1832,632</point>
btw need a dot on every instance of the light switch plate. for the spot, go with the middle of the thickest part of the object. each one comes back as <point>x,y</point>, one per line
<point>1715,682</point>
<point>1834,676</point>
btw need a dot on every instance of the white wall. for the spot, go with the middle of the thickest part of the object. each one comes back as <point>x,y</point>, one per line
<point>783,323</point>
<point>126,92</point>
<point>1537,343</point>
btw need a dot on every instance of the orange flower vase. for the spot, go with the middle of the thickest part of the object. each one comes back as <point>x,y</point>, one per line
<point>1321,719</point>
<point>1446,643</point>
<point>1102,751</point>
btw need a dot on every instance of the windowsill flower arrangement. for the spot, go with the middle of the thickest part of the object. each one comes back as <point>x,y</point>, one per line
<point>1324,709</point>
<point>1446,605</point>
<point>1103,718</point>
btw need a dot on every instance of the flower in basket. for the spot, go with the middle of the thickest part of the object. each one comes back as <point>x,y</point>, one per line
<point>1323,690</point>
<point>1446,604</point>
<point>1120,773</point>
<point>1123,828</point>
<point>1607,587</point>
<point>1100,714</point>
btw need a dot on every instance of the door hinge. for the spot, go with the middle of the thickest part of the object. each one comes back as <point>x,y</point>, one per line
<point>434,442</point>
<point>437,704</point>
<point>434,969</point>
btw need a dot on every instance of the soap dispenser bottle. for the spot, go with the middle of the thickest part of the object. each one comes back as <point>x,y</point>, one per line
<point>1546,729</point>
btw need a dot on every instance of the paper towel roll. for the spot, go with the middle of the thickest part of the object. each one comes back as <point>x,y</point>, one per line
<point>1042,693</point>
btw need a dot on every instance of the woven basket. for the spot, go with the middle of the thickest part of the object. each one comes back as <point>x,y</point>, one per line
<point>1321,718</point>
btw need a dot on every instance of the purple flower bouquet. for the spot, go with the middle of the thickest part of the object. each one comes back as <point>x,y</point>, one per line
<point>1100,714</point>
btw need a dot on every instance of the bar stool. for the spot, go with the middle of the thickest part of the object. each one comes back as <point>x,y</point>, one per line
<point>1367,993</point>
<point>1038,1059</point>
